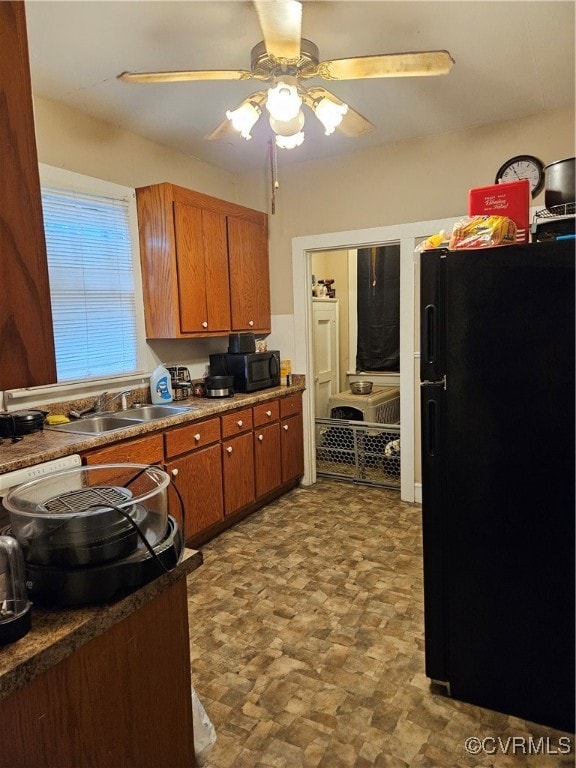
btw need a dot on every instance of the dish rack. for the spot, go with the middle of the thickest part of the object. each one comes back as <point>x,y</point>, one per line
<point>554,222</point>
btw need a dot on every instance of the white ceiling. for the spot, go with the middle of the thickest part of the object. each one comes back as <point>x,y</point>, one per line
<point>513,59</point>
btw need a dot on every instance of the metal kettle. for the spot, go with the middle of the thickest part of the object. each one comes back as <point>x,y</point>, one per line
<point>15,614</point>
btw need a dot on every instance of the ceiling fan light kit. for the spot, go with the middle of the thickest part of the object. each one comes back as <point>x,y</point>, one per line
<point>244,118</point>
<point>283,100</point>
<point>284,60</point>
<point>329,113</point>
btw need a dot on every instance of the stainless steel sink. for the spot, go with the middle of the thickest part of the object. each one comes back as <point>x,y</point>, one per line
<point>96,425</point>
<point>110,422</point>
<point>151,412</point>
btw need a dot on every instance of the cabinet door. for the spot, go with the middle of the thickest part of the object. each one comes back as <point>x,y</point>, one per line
<point>27,355</point>
<point>267,470</point>
<point>292,443</point>
<point>198,478</point>
<point>249,274</point>
<point>238,472</point>
<point>202,258</point>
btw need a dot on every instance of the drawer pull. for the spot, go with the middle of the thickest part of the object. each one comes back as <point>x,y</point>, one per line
<point>174,472</point>
<point>204,324</point>
<point>260,437</point>
<point>285,427</point>
<point>229,449</point>
<point>250,323</point>
<point>197,436</point>
<point>239,422</point>
<point>268,413</point>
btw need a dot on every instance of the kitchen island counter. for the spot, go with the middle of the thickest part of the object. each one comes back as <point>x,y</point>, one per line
<point>103,685</point>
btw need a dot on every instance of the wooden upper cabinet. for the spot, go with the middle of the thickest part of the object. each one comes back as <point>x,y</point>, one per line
<point>202,259</point>
<point>249,274</point>
<point>27,355</point>
<point>204,264</point>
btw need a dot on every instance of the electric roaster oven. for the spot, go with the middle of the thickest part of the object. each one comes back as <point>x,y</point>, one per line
<point>93,534</point>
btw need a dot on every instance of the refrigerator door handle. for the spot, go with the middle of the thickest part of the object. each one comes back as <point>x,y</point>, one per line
<point>430,333</point>
<point>432,431</point>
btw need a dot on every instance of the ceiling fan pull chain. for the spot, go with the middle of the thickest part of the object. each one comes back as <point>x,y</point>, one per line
<point>273,174</point>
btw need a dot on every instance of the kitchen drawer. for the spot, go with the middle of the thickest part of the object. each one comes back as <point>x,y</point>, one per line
<point>290,405</point>
<point>142,450</point>
<point>197,435</point>
<point>266,413</point>
<point>237,422</point>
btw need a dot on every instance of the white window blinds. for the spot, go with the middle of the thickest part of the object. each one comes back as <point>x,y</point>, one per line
<point>91,284</point>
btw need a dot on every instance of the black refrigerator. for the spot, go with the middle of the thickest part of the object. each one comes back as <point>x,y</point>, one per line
<point>497,415</point>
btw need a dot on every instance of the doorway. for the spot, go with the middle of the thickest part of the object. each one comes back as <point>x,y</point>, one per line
<point>407,235</point>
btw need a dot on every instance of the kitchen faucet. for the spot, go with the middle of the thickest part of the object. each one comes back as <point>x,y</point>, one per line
<point>123,401</point>
<point>96,407</point>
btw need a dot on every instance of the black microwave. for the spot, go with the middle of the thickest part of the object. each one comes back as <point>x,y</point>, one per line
<point>251,370</point>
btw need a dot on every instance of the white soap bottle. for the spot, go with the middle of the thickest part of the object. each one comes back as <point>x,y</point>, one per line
<point>160,386</point>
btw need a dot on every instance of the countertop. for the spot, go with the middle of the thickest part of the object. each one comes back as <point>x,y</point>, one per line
<point>56,634</point>
<point>52,444</point>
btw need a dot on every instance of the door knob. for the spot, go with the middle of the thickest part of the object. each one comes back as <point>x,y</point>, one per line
<point>285,427</point>
<point>251,323</point>
<point>260,437</point>
<point>174,472</point>
<point>229,449</point>
<point>204,324</point>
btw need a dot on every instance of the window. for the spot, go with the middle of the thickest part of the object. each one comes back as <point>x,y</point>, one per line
<point>92,286</point>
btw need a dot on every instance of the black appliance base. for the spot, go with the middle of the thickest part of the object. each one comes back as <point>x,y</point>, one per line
<point>67,587</point>
<point>13,630</point>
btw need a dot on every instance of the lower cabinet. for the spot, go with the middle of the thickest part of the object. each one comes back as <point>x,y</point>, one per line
<point>267,468</point>
<point>223,465</point>
<point>292,438</point>
<point>197,475</point>
<point>238,472</point>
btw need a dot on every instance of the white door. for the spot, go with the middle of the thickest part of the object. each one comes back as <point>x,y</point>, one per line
<point>325,338</point>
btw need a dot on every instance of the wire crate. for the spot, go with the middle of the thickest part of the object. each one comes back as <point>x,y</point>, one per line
<point>358,451</point>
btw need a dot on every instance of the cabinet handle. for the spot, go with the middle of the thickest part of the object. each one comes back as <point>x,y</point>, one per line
<point>260,437</point>
<point>239,422</point>
<point>197,436</point>
<point>250,323</point>
<point>174,472</point>
<point>204,324</point>
<point>285,426</point>
<point>229,449</point>
<point>268,413</point>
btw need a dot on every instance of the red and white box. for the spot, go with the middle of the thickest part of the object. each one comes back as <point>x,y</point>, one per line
<point>511,199</point>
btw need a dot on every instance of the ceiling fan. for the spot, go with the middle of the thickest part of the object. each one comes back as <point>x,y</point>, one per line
<point>285,61</point>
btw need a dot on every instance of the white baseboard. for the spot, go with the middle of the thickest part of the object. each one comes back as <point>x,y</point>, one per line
<point>418,493</point>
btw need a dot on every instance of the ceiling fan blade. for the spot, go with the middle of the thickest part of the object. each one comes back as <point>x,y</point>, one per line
<point>387,65</point>
<point>353,123</point>
<point>281,24</point>
<point>224,129</point>
<point>185,75</point>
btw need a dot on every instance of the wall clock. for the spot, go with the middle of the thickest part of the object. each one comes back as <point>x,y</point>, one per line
<point>523,167</point>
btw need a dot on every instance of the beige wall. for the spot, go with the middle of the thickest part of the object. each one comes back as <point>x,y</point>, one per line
<point>71,140</point>
<point>411,181</point>
<point>393,184</point>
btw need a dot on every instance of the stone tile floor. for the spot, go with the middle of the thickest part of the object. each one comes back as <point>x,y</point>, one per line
<point>306,635</point>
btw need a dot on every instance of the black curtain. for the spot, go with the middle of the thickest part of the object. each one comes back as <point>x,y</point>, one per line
<point>378,344</point>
